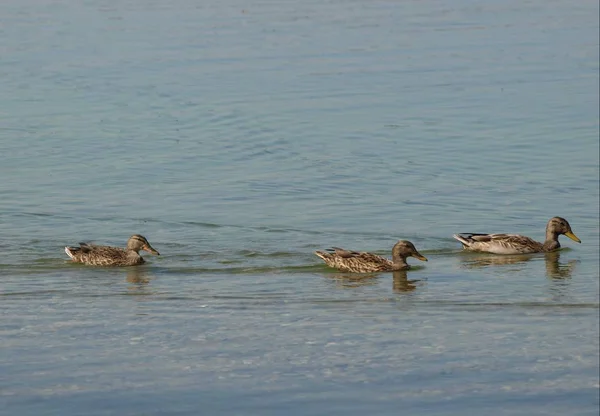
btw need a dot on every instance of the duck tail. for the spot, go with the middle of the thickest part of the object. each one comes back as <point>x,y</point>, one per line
<point>71,250</point>
<point>462,239</point>
<point>324,255</point>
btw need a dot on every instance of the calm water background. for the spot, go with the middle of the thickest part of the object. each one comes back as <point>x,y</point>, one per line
<point>241,136</point>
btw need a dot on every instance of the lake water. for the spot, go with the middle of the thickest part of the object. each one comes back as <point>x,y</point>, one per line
<point>239,137</point>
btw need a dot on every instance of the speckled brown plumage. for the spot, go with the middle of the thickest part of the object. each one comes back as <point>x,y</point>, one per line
<point>364,262</point>
<point>518,244</point>
<point>94,255</point>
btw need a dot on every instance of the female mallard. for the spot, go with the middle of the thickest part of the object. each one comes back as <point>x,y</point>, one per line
<point>518,244</point>
<point>111,256</point>
<point>355,262</point>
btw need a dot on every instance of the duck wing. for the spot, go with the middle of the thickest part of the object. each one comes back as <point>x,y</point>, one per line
<point>100,255</point>
<point>499,243</point>
<point>353,261</point>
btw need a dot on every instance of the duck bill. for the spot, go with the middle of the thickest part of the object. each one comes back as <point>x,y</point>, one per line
<point>150,250</point>
<point>572,236</point>
<point>420,256</point>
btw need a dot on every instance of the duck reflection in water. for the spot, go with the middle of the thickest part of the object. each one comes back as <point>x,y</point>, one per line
<point>138,277</point>
<point>557,270</point>
<point>401,284</point>
<point>554,268</point>
<point>354,280</point>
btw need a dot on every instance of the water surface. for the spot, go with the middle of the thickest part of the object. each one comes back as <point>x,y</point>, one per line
<point>240,137</point>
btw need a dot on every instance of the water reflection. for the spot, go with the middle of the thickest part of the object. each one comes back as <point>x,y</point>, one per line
<point>557,270</point>
<point>401,284</point>
<point>400,281</point>
<point>138,277</point>
<point>554,268</point>
<point>353,279</point>
<point>474,261</point>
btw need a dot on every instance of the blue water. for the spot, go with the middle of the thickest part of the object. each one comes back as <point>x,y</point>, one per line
<point>239,137</point>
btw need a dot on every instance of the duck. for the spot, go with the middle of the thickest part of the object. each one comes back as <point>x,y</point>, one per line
<point>94,255</point>
<point>518,244</point>
<point>364,262</point>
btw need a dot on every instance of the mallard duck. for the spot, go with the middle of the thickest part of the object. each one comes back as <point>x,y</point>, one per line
<point>363,262</point>
<point>111,256</point>
<point>518,244</point>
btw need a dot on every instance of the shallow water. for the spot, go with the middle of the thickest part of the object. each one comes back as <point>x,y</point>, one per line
<point>239,138</point>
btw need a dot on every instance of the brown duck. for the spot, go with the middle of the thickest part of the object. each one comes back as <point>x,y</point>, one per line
<point>363,262</point>
<point>94,255</point>
<point>518,244</point>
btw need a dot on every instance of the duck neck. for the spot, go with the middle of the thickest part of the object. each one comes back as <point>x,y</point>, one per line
<point>399,262</point>
<point>551,242</point>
